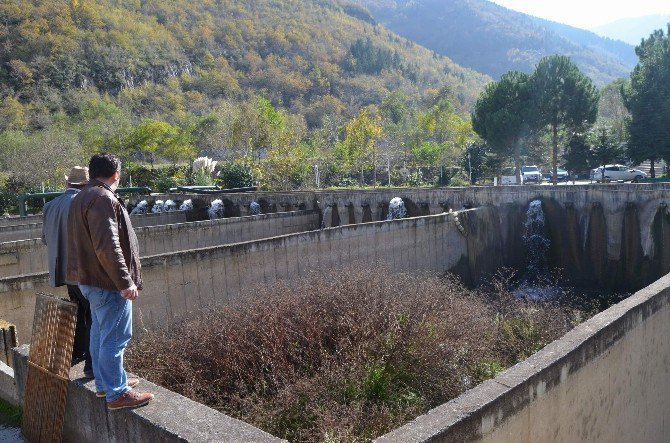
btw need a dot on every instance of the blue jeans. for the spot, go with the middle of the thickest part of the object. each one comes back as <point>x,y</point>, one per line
<point>111,330</point>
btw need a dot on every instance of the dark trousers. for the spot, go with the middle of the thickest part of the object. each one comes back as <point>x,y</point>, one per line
<point>82,332</point>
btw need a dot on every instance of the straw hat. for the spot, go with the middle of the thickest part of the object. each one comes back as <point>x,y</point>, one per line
<point>78,176</point>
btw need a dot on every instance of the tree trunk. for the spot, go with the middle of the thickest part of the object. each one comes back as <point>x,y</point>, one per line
<point>554,159</point>
<point>652,169</point>
<point>374,169</point>
<point>517,162</point>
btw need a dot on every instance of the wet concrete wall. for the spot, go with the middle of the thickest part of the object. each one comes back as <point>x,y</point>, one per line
<point>612,235</point>
<point>608,234</point>
<point>185,281</point>
<point>30,256</point>
<point>606,380</point>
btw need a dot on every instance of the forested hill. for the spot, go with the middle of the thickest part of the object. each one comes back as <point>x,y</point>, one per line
<point>171,58</point>
<point>492,39</point>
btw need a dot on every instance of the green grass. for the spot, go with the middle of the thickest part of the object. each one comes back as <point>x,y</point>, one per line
<point>11,413</point>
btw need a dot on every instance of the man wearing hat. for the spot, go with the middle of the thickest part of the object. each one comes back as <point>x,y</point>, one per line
<point>54,235</point>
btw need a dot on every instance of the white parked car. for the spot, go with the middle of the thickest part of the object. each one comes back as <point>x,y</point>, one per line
<point>531,174</point>
<point>617,172</point>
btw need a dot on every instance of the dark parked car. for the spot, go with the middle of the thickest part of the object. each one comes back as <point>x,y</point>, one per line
<point>562,175</point>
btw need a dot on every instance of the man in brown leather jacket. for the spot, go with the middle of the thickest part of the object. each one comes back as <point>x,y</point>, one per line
<point>103,258</point>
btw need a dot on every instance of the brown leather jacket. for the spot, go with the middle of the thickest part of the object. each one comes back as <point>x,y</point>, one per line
<point>102,247</point>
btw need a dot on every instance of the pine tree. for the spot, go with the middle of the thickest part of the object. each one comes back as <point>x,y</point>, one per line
<point>565,100</point>
<point>648,100</point>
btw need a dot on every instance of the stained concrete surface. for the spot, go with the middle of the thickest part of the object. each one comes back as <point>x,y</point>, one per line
<point>607,380</point>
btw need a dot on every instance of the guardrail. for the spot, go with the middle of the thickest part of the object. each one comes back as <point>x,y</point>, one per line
<point>212,189</point>
<point>24,198</point>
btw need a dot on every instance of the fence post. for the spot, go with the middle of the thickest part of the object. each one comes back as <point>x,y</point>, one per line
<point>7,342</point>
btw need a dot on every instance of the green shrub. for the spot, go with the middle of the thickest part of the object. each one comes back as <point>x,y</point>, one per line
<point>235,175</point>
<point>348,182</point>
<point>159,179</point>
<point>415,179</point>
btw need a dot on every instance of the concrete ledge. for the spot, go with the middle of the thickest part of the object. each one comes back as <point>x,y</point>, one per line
<point>8,391</point>
<point>21,257</point>
<point>551,384</point>
<point>169,418</point>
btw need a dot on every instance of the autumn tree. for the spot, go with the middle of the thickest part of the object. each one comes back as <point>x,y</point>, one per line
<point>153,138</point>
<point>359,144</point>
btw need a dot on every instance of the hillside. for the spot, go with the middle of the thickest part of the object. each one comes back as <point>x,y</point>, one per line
<point>492,39</point>
<point>632,30</point>
<point>171,59</point>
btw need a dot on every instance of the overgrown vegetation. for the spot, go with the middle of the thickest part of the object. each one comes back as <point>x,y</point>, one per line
<point>350,354</point>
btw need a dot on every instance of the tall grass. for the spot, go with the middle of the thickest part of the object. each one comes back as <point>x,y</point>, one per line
<point>349,354</point>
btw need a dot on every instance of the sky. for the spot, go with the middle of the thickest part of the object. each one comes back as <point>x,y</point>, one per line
<point>587,13</point>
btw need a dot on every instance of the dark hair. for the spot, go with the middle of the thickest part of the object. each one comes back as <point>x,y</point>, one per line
<point>103,165</point>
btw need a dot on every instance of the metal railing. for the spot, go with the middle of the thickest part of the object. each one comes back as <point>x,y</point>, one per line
<point>24,198</point>
<point>211,189</point>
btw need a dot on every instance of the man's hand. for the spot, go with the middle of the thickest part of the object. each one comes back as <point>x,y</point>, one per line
<point>131,293</point>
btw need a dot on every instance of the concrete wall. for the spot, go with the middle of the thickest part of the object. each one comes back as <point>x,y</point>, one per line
<point>612,235</point>
<point>31,227</point>
<point>162,218</point>
<point>16,220</point>
<point>190,280</point>
<point>185,281</point>
<point>30,256</point>
<point>169,418</point>
<point>606,380</point>
<point>8,390</point>
<point>20,232</point>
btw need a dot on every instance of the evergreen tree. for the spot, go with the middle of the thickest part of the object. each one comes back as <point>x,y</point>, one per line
<point>604,147</point>
<point>501,116</point>
<point>565,100</point>
<point>648,100</point>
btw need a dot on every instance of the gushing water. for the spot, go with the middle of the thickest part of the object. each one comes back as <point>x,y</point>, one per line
<point>187,205</point>
<point>536,242</point>
<point>141,208</point>
<point>534,285</point>
<point>216,209</point>
<point>159,206</point>
<point>396,209</point>
<point>169,206</point>
<point>254,208</point>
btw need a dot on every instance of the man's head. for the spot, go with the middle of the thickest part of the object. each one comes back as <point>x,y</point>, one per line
<point>77,178</point>
<point>105,168</point>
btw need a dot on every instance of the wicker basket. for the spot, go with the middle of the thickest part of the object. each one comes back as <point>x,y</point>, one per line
<point>48,369</point>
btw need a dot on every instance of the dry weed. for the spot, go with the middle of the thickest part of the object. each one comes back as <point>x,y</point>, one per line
<point>345,355</point>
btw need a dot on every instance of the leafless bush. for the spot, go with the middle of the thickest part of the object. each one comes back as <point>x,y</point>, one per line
<point>346,355</point>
